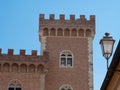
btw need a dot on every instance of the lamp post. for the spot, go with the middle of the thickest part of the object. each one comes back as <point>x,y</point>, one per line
<point>107,43</point>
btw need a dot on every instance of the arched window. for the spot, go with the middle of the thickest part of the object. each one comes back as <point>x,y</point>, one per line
<point>15,85</point>
<point>66,87</point>
<point>66,59</point>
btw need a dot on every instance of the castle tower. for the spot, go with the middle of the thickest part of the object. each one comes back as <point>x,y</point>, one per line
<point>69,44</point>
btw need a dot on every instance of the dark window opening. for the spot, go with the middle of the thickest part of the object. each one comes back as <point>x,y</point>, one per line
<point>69,62</point>
<point>63,61</point>
<point>13,88</point>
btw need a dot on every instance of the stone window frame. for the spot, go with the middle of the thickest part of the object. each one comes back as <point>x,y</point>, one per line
<point>66,87</point>
<point>67,55</point>
<point>14,84</point>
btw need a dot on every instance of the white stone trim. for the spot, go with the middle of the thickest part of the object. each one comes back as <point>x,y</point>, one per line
<point>66,51</point>
<point>15,80</point>
<point>90,64</point>
<point>43,44</point>
<point>66,87</point>
<point>42,82</point>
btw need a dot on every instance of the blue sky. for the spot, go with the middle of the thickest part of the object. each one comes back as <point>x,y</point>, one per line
<point>19,21</point>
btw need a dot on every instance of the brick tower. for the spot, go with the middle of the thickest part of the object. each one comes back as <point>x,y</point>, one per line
<point>69,44</point>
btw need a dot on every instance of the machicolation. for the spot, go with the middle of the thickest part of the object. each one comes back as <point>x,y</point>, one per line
<point>21,62</point>
<point>80,27</point>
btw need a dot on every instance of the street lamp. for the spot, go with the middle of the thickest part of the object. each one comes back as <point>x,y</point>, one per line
<point>107,43</point>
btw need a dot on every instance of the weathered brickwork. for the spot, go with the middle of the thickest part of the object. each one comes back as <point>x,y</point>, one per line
<point>66,62</point>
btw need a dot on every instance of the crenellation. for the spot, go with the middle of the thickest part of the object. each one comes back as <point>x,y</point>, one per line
<point>72,17</point>
<point>82,17</point>
<point>52,17</point>
<point>62,17</point>
<point>10,51</point>
<point>16,56</point>
<point>51,27</point>
<point>22,52</point>
<point>92,19</point>
<point>81,22</point>
<point>34,52</point>
<point>10,56</point>
<point>41,17</point>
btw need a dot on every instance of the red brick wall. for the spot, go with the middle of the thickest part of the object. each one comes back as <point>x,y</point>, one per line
<point>77,76</point>
<point>28,81</point>
<point>24,68</point>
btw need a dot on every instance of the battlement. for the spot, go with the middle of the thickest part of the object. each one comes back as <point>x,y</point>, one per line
<point>80,27</point>
<point>27,63</point>
<point>62,17</point>
<point>22,59</point>
<point>22,53</point>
